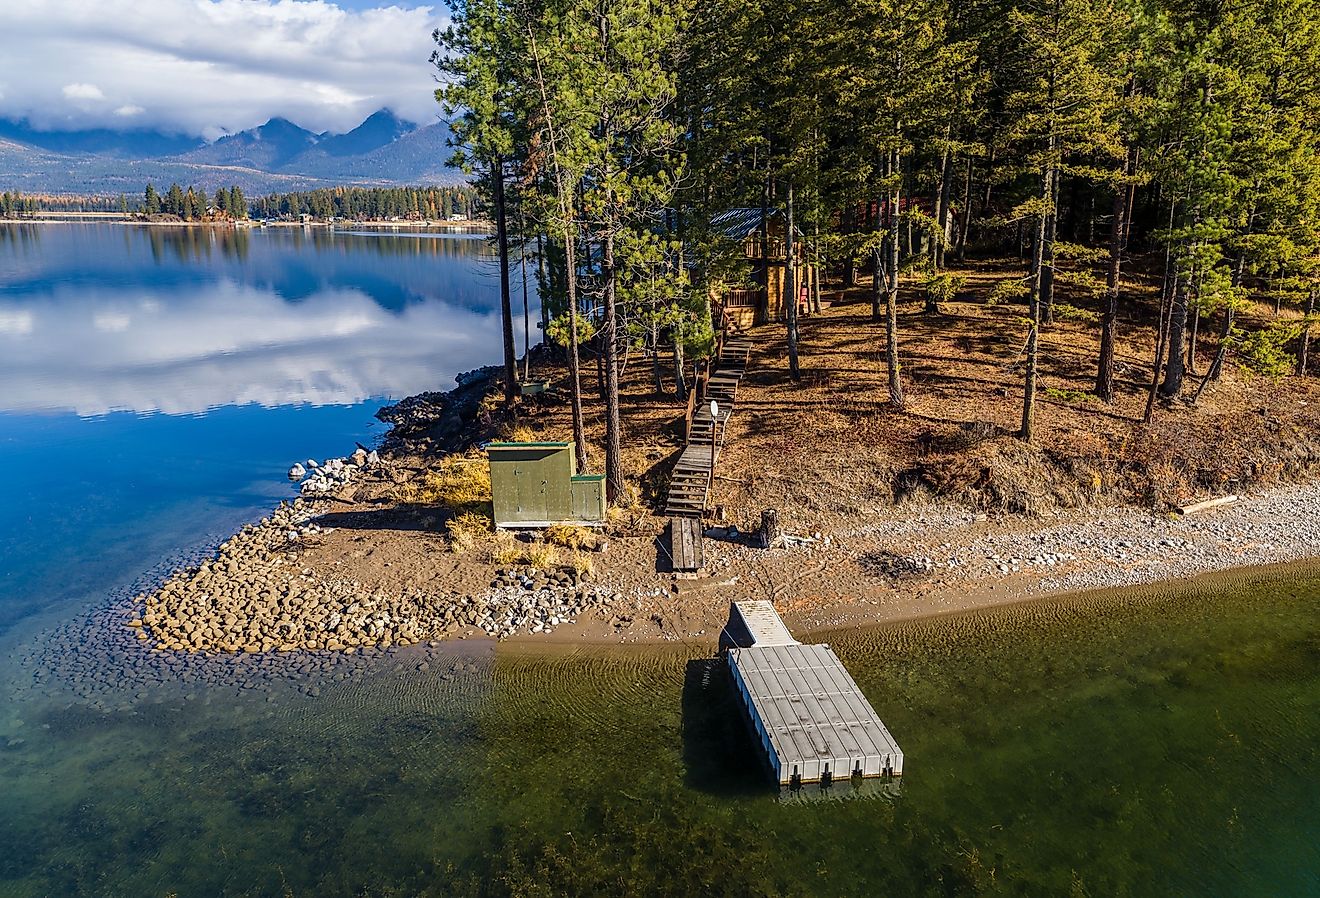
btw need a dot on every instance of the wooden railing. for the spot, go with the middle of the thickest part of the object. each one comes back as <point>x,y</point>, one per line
<point>742,298</point>
<point>700,376</point>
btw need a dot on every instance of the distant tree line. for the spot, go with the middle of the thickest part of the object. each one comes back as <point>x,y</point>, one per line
<point>361,203</point>
<point>193,204</point>
<point>15,204</point>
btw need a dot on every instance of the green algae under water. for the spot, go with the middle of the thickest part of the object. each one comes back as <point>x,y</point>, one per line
<point>1151,742</point>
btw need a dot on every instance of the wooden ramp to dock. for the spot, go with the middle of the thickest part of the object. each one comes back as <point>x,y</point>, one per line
<point>812,721</point>
<point>689,485</point>
<point>685,540</point>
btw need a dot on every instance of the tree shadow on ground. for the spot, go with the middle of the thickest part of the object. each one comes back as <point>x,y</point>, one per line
<point>389,518</point>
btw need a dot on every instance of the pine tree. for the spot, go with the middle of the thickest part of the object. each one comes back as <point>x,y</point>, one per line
<point>1064,112</point>
<point>151,201</point>
<point>173,204</point>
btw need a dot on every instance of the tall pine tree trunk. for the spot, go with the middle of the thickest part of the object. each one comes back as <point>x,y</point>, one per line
<point>896,398</point>
<point>1167,289</point>
<point>574,362</point>
<point>545,308</point>
<point>1304,341</point>
<point>942,197</point>
<point>1192,337</point>
<point>506,303</point>
<point>965,213</point>
<point>527,313</point>
<point>680,380</point>
<point>610,339</point>
<point>1104,380</point>
<point>1046,262</point>
<point>878,280</point>
<point>563,195</point>
<point>817,272</point>
<point>790,290</point>
<point>1176,367</point>
<point>1034,305</point>
<point>763,313</point>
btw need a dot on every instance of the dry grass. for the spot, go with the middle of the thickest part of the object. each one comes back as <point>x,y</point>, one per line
<point>504,550</point>
<point>518,433</point>
<point>579,563</point>
<point>569,536</point>
<point>468,530</point>
<point>459,483</point>
<point>541,555</point>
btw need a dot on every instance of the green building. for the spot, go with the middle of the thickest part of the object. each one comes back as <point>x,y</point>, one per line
<point>537,484</point>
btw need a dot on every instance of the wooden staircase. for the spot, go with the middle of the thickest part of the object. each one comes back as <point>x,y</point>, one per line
<point>689,486</point>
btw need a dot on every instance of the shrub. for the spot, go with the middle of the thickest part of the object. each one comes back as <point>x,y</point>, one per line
<point>1065,395</point>
<point>569,536</point>
<point>1065,312</point>
<point>459,483</point>
<point>1006,291</point>
<point>518,433</point>
<point>1264,352</point>
<point>505,550</point>
<point>943,287</point>
<point>541,555</point>
<point>467,530</point>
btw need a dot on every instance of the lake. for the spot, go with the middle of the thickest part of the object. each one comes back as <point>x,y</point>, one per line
<point>159,382</point>
<point>1142,742</point>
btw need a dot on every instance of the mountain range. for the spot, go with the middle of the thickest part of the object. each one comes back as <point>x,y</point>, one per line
<point>279,155</point>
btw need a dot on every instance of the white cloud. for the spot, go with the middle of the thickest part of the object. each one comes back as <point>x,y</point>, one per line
<point>214,66</point>
<point>83,92</point>
<point>95,351</point>
<point>16,321</point>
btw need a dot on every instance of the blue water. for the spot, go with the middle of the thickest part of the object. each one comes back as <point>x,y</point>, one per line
<point>156,383</point>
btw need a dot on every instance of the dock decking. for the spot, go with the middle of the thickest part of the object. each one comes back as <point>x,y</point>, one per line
<point>813,722</point>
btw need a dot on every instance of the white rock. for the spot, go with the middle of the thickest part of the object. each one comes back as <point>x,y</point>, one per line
<point>297,472</point>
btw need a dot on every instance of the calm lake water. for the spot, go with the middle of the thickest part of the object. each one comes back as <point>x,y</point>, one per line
<point>156,383</point>
<point>1156,742</point>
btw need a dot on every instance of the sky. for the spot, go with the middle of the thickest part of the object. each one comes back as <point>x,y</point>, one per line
<point>210,67</point>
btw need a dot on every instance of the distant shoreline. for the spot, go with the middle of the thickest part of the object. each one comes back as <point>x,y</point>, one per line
<point>338,225</point>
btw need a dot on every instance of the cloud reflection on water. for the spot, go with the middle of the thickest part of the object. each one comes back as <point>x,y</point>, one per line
<point>96,351</point>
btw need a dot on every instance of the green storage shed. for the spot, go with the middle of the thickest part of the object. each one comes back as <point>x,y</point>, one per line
<point>537,484</point>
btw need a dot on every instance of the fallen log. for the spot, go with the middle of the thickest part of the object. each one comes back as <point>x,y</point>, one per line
<point>1207,503</point>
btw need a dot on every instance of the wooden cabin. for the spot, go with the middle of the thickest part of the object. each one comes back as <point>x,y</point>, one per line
<point>761,298</point>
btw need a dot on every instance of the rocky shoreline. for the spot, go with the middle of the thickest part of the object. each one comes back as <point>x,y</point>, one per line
<point>254,597</point>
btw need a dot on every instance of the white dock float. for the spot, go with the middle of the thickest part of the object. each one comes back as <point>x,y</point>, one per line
<point>813,722</point>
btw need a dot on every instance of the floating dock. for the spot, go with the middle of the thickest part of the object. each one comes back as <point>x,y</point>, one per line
<point>813,722</point>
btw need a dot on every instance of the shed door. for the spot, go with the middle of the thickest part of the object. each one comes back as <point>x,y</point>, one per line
<point>533,504</point>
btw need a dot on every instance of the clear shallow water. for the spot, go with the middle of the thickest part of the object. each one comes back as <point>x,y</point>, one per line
<point>1148,743</point>
<point>155,383</point>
